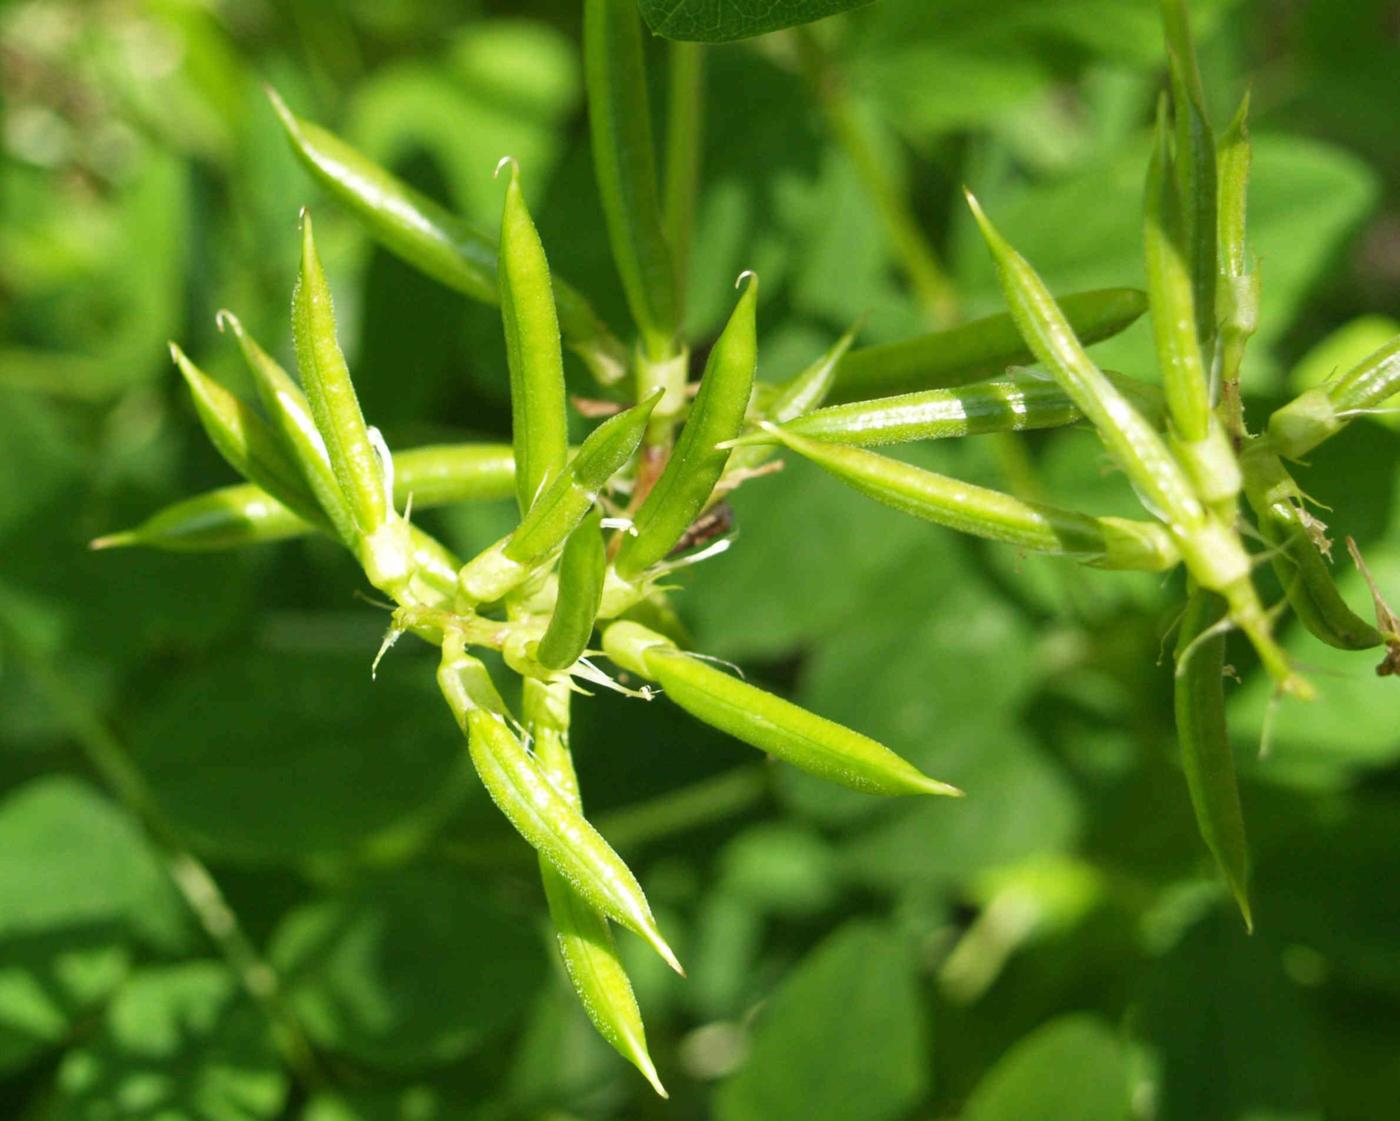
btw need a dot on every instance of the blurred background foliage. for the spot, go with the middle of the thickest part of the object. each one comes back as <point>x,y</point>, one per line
<point>1056,947</point>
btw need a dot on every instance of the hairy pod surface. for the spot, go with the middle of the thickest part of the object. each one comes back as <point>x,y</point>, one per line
<point>1205,741</point>
<point>582,569</point>
<point>584,938</point>
<point>624,161</point>
<point>781,728</point>
<point>697,462</point>
<point>990,514</point>
<point>416,229</point>
<point>246,442</point>
<point>539,419</point>
<point>974,351</point>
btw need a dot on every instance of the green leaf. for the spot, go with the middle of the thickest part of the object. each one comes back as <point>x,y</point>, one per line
<point>1227,1028</point>
<point>180,1043</point>
<point>78,885</point>
<point>1084,231</point>
<point>1071,1069</point>
<point>936,65</point>
<point>265,757</point>
<point>717,21</point>
<point>843,1040</point>
<point>409,971</point>
<point>1352,725</point>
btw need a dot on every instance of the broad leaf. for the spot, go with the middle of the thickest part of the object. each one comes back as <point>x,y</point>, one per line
<point>843,1040</point>
<point>409,971</point>
<point>78,884</point>
<point>181,1043</point>
<point>1072,1069</point>
<point>716,21</point>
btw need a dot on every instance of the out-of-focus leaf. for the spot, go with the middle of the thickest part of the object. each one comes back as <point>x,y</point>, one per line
<point>1227,1030</point>
<point>714,21</point>
<point>1348,345</point>
<point>844,1039</point>
<point>180,1043</point>
<point>1072,1069</point>
<point>1085,232</point>
<point>1354,723</point>
<point>935,677</point>
<point>514,81</point>
<point>1018,805</point>
<point>78,884</point>
<point>416,1103</point>
<point>264,756</point>
<point>937,65</point>
<point>407,971</point>
<point>852,544</point>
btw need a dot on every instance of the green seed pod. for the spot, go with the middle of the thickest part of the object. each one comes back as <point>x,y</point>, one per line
<point>1303,423</point>
<point>697,462</point>
<point>284,402</point>
<point>508,563</point>
<point>581,571</point>
<point>624,161</point>
<point>544,818</point>
<point>444,474</point>
<point>540,813</point>
<point>605,452</point>
<point>1210,548</point>
<point>326,380</point>
<point>974,351</point>
<point>1103,542</point>
<point>585,940</point>
<point>1205,742</point>
<point>413,227</point>
<point>792,734</point>
<point>381,539</point>
<point>434,579</point>
<point>1170,297</point>
<point>808,389</point>
<point>1195,165</point>
<point>226,518</point>
<point>1237,288</point>
<point>539,420</point>
<point>1307,582</point>
<point>246,442</point>
<point>935,414</point>
<point>231,517</point>
<point>1370,383</point>
<point>803,392</point>
<point>1133,443</point>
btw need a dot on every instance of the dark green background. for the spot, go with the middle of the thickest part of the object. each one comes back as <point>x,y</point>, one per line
<point>1054,948</point>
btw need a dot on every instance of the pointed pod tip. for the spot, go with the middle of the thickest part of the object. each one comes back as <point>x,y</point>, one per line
<point>514,168</point>
<point>279,106</point>
<point>988,230</point>
<point>653,936</point>
<point>749,275</point>
<point>225,320</point>
<point>946,790</point>
<point>113,540</point>
<point>642,1061</point>
<point>1245,911</point>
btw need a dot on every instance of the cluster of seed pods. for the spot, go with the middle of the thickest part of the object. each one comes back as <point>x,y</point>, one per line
<point>600,525</point>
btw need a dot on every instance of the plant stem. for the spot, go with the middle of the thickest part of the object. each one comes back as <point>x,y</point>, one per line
<point>108,757</point>
<point>685,126</point>
<point>854,133</point>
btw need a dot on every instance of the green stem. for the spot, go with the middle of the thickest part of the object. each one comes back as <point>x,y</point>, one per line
<point>108,757</point>
<point>853,132</point>
<point>685,127</point>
